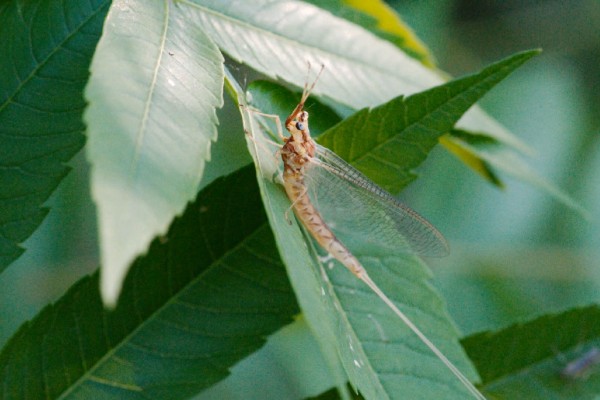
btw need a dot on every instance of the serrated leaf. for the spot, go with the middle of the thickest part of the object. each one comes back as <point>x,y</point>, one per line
<point>45,48</point>
<point>528,360</point>
<point>156,82</point>
<point>385,23</point>
<point>475,151</point>
<point>274,99</point>
<point>278,38</point>
<point>387,142</point>
<point>380,355</point>
<point>205,296</point>
<point>500,157</point>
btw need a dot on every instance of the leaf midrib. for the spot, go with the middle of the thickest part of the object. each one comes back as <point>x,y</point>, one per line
<point>294,43</point>
<point>335,299</point>
<point>42,64</point>
<point>141,133</point>
<point>126,339</point>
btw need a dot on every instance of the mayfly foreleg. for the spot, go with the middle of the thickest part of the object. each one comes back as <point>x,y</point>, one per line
<point>274,117</point>
<point>262,142</point>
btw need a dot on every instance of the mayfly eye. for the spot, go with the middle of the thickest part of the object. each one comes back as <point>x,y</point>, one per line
<point>299,126</point>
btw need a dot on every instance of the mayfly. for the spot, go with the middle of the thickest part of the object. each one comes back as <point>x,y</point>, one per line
<point>312,173</point>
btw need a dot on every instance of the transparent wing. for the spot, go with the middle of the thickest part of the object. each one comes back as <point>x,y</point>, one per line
<point>357,209</point>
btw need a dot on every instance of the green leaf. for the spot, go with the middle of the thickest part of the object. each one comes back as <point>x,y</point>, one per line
<point>156,81</point>
<point>274,99</point>
<point>508,161</point>
<point>387,142</point>
<point>379,18</point>
<point>206,295</point>
<point>290,241</point>
<point>46,48</point>
<point>278,38</point>
<point>379,354</point>
<point>479,152</point>
<point>528,360</point>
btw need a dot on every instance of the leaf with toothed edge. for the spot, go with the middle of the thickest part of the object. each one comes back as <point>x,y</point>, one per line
<point>46,48</point>
<point>389,141</point>
<point>156,81</point>
<point>356,322</point>
<point>278,38</point>
<point>380,355</point>
<point>205,296</point>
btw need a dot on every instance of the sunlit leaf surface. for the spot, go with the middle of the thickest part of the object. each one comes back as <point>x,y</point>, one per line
<point>156,82</point>
<point>278,38</point>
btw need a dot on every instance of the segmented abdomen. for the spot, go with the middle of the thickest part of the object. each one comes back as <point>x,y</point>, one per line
<point>312,220</point>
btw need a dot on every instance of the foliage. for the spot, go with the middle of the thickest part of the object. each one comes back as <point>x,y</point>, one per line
<point>520,360</point>
<point>206,295</point>
<point>41,105</point>
<point>190,284</point>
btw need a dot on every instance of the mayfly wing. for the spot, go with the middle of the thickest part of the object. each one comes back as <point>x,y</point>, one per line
<point>350,202</point>
<point>359,211</point>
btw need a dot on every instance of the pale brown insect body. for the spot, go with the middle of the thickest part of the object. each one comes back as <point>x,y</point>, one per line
<point>297,152</point>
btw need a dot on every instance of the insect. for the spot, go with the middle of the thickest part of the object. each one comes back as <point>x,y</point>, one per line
<point>315,179</point>
<point>581,367</point>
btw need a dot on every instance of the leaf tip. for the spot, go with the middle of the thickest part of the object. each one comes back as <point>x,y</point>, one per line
<point>527,54</point>
<point>112,276</point>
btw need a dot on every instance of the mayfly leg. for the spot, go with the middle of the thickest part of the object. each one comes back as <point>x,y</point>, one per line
<point>261,143</point>
<point>274,117</point>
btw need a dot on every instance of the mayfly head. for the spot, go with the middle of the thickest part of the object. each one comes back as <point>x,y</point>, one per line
<point>299,142</point>
<point>297,125</point>
<point>295,116</point>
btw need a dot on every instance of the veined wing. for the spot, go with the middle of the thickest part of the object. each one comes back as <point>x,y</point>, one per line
<point>351,203</point>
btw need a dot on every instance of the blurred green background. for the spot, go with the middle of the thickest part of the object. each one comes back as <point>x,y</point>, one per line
<point>516,253</point>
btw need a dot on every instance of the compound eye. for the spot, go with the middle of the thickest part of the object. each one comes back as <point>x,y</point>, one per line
<point>299,126</point>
